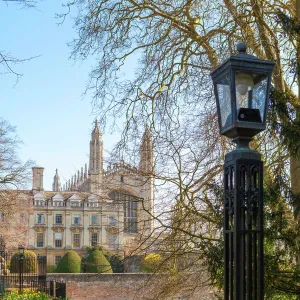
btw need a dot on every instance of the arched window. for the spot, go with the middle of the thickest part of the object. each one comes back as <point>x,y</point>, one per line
<point>130,209</point>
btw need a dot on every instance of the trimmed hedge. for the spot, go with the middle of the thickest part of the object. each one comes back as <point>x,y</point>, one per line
<point>69,263</point>
<point>30,264</point>
<point>96,262</point>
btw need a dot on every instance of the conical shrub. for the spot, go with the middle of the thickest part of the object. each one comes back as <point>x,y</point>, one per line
<point>69,263</point>
<point>96,262</point>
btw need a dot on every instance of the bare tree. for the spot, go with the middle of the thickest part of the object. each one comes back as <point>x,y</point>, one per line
<point>15,204</point>
<point>22,3</point>
<point>13,172</point>
<point>14,217</point>
<point>8,61</point>
<point>177,44</point>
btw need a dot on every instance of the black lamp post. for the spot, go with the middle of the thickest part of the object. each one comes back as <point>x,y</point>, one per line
<point>242,87</point>
<point>21,261</point>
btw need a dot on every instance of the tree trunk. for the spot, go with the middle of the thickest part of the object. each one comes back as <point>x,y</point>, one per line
<point>295,162</point>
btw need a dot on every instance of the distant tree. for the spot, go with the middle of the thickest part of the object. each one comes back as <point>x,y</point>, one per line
<point>69,263</point>
<point>14,176</point>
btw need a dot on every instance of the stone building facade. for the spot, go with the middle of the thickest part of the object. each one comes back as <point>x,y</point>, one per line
<point>108,207</point>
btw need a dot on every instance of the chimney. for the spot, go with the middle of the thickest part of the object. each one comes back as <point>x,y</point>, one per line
<point>37,179</point>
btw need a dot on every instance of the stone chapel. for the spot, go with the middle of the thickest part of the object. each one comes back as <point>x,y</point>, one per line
<point>95,207</point>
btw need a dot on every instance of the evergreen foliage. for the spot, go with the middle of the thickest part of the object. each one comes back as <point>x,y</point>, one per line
<point>30,264</point>
<point>69,263</point>
<point>290,25</point>
<point>281,237</point>
<point>96,262</point>
<point>116,262</point>
<point>90,249</point>
<point>283,121</point>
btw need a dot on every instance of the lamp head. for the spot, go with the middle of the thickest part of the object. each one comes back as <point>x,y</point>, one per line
<point>21,250</point>
<point>242,87</point>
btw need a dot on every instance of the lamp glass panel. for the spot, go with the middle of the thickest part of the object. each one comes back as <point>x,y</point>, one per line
<point>250,96</point>
<point>223,88</point>
<point>243,85</point>
<point>259,95</point>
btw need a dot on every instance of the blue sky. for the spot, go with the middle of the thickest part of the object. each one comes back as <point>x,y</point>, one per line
<point>46,105</point>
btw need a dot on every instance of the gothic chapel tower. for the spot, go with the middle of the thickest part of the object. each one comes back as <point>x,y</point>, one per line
<point>147,169</point>
<point>146,153</point>
<point>96,160</point>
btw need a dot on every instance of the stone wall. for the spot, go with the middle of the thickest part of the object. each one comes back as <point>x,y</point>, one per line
<point>123,286</point>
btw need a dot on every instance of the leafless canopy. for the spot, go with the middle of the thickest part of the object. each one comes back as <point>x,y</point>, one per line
<point>22,3</point>
<point>8,62</point>
<point>13,173</point>
<point>174,45</point>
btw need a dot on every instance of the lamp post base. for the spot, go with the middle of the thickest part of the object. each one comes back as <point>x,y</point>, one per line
<point>243,225</point>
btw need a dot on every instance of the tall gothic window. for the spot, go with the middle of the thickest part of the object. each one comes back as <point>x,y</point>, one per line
<point>129,202</point>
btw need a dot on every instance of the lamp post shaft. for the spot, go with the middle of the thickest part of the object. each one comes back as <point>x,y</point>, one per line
<point>243,226</point>
<point>20,274</point>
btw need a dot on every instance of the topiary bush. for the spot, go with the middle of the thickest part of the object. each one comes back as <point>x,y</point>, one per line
<point>69,263</point>
<point>151,263</point>
<point>30,263</point>
<point>96,262</point>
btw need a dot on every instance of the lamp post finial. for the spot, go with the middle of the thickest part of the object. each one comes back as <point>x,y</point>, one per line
<point>241,47</point>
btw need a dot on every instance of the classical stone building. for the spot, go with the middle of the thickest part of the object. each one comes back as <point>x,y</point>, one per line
<point>96,207</point>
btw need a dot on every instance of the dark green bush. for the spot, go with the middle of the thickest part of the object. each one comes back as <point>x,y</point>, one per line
<point>116,262</point>
<point>90,249</point>
<point>30,264</point>
<point>69,263</point>
<point>96,262</point>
